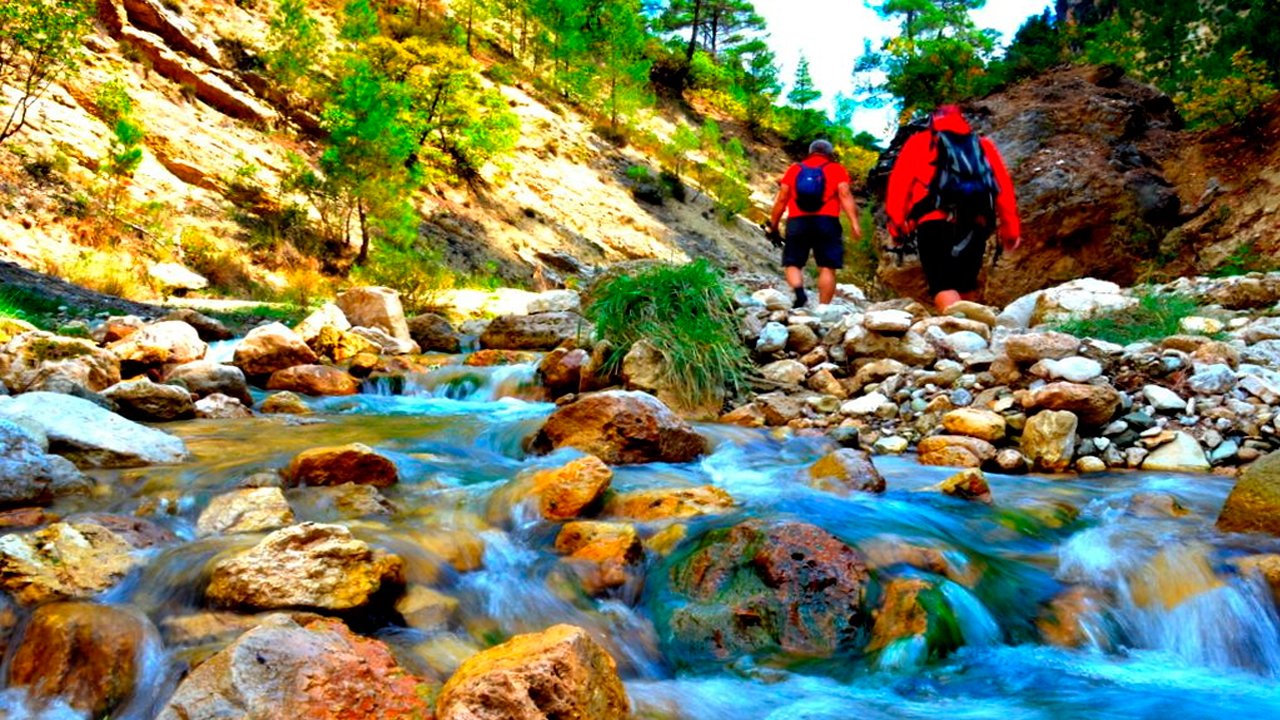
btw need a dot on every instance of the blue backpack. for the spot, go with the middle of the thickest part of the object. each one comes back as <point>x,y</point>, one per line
<point>811,187</point>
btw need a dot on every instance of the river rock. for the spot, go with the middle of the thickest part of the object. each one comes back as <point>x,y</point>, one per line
<point>272,347</point>
<point>606,554</point>
<point>760,588</point>
<point>1093,405</point>
<point>341,346</point>
<point>284,403</point>
<point>1183,454</point>
<point>141,399</point>
<point>314,380</point>
<point>621,427</point>
<point>1254,503</point>
<point>375,307</point>
<point>773,338</point>
<point>955,451</point>
<point>975,422</point>
<point>667,503</point>
<point>890,445</point>
<point>1075,619</point>
<point>894,322</point>
<point>968,484</point>
<point>90,436</point>
<point>321,671</point>
<point>1265,566</point>
<point>353,463</point>
<point>28,475</point>
<point>772,299</point>
<point>1072,369</point>
<point>866,405</point>
<point>434,334</point>
<point>647,369</point>
<point>386,343</point>
<point>246,510</point>
<point>1011,460</point>
<point>66,560</point>
<point>327,315</point>
<point>558,673</point>
<point>801,339</point>
<point>208,329</point>
<point>785,372</point>
<point>164,343</point>
<point>846,470</point>
<point>1083,298</point>
<point>205,377</point>
<point>32,359</point>
<point>1215,379</point>
<point>308,565</point>
<point>91,656</point>
<point>560,372</point>
<point>11,327</point>
<point>221,407</point>
<point>749,415</point>
<point>1164,399</point>
<point>913,623</point>
<point>1029,348</point>
<point>427,609</point>
<point>543,331</point>
<point>1049,440</point>
<point>565,492</point>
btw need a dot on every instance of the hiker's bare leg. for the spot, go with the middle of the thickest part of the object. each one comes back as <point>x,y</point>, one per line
<point>945,299</point>
<point>795,278</point>
<point>826,285</point>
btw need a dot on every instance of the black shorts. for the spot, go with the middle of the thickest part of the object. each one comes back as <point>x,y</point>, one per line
<point>951,256</point>
<point>820,233</point>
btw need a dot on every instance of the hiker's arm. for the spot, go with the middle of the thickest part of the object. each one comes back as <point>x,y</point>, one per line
<point>779,205</point>
<point>850,208</point>
<point>1010,228</point>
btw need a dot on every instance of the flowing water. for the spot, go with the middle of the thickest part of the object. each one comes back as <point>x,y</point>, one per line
<point>1174,630</point>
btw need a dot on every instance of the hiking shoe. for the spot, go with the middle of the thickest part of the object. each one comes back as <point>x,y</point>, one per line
<point>802,299</point>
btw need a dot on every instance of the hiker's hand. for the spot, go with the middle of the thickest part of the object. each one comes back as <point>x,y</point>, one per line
<point>855,232</point>
<point>772,235</point>
<point>1014,244</point>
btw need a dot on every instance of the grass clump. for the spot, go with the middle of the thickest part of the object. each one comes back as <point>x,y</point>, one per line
<point>23,304</point>
<point>1154,316</point>
<point>686,312</point>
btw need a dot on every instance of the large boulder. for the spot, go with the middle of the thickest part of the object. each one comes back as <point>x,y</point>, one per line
<point>352,463</point>
<point>341,346</point>
<point>558,673</point>
<point>647,369</point>
<point>205,377</point>
<point>760,588</point>
<point>91,656</point>
<point>32,359</point>
<point>564,493</point>
<point>90,436</point>
<point>1083,298</point>
<point>140,399</point>
<point>1254,502</point>
<point>30,477</point>
<point>543,331</point>
<point>66,560</point>
<point>375,307</point>
<point>164,343</point>
<point>434,334</point>
<point>307,565</point>
<point>621,427</point>
<point>314,380</point>
<point>560,371</point>
<point>1094,405</point>
<point>280,669</point>
<point>270,348</point>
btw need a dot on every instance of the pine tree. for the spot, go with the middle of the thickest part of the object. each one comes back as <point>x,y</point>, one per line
<point>623,67</point>
<point>803,93</point>
<point>756,80</point>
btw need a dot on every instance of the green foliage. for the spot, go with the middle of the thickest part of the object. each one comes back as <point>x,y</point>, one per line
<point>714,26</point>
<point>803,93</point>
<point>1156,315</point>
<point>686,312</point>
<point>295,43</point>
<point>756,83</point>
<point>38,43</point>
<point>1214,97</point>
<point>1036,47</point>
<point>1246,258</point>
<point>639,173</point>
<point>415,270</point>
<point>28,305</point>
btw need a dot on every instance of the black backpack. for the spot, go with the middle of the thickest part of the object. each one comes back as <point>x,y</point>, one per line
<point>963,185</point>
<point>811,187</point>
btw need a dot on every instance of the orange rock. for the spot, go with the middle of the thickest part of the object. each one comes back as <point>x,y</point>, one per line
<point>564,492</point>
<point>354,463</point>
<point>666,503</point>
<point>621,428</point>
<point>314,380</point>
<point>612,549</point>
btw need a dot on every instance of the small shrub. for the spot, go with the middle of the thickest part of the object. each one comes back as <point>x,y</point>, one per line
<point>1245,259</point>
<point>687,313</point>
<point>417,272</point>
<point>639,173</point>
<point>1155,316</point>
<point>501,74</point>
<point>118,274</point>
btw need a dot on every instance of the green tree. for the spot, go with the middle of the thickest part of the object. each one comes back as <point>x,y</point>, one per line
<point>38,42</point>
<point>757,84</point>
<point>803,93</point>
<point>623,68</point>
<point>295,43</point>
<point>715,26</point>
<point>115,107</point>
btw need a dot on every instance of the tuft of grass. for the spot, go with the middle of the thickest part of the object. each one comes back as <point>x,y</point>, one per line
<point>28,305</point>
<point>1246,258</point>
<point>1155,316</point>
<point>687,313</point>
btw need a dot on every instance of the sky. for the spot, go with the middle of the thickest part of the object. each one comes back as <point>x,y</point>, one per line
<point>830,33</point>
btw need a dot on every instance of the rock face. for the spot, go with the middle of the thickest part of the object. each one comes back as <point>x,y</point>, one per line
<point>30,477</point>
<point>167,342</point>
<point>270,348</point>
<point>620,428</point>
<point>314,380</point>
<point>543,331</point>
<point>846,470</point>
<point>760,588</point>
<point>63,561</point>
<point>91,656</point>
<point>90,436</point>
<point>354,463</point>
<point>558,673</point>
<point>141,399</point>
<point>375,307</point>
<point>205,377</point>
<point>306,565</point>
<point>280,669</point>
<point>1254,502</point>
<point>32,359</point>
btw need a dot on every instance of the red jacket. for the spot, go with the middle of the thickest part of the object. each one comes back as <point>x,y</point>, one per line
<point>913,171</point>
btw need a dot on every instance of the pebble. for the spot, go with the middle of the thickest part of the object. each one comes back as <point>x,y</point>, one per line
<point>1074,369</point>
<point>1224,453</point>
<point>961,397</point>
<point>865,405</point>
<point>890,445</point>
<point>773,338</point>
<point>1090,464</point>
<point>1163,399</point>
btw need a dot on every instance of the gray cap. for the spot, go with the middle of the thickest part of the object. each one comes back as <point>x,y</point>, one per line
<point>821,147</point>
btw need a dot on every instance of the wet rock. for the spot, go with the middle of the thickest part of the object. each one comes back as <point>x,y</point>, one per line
<point>1254,503</point>
<point>32,359</point>
<point>426,609</point>
<point>621,427</point>
<point>90,436</point>
<point>284,403</point>
<point>955,451</point>
<point>353,463</point>
<point>164,343</point>
<point>221,407</point>
<point>560,372</point>
<point>779,409</point>
<point>890,445</point>
<point>1093,405</point>
<point>141,399</point>
<point>1265,566</point>
<point>306,565</point>
<point>340,346</point>
<point>247,510</point>
<point>975,422</point>
<point>607,553</point>
<point>1011,461</point>
<point>321,671</point>
<point>748,415</point>
<point>969,484</point>
<point>1182,454</point>
<point>1155,505</point>
<point>564,493</point>
<point>63,561</point>
<point>846,470</point>
<point>140,533</point>
<point>1030,348</point>
<point>91,656</point>
<point>761,588</point>
<point>912,624</point>
<point>543,331</point>
<point>667,503</point>
<point>272,347</point>
<point>344,501</point>
<point>1090,464</point>
<point>1049,440</point>
<point>207,328</point>
<point>883,552</point>
<point>314,380</point>
<point>434,334</point>
<point>375,307</point>
<point>205,377</point>
<point>558,673</point>
<point>1075,619</point>
<point>29,476</point>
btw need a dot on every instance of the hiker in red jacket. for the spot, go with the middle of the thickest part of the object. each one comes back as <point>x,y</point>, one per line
<point>948,188</point>
<point>813,193</point>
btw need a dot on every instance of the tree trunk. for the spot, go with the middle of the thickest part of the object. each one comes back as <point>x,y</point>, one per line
<point>693,32</point>
<point>364,234</point>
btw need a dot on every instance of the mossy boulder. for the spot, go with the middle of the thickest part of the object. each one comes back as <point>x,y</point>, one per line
<point>1254,503</point>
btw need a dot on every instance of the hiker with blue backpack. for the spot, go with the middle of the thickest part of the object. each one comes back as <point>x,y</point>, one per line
<point>948,191</point>
<point>813,192</point>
